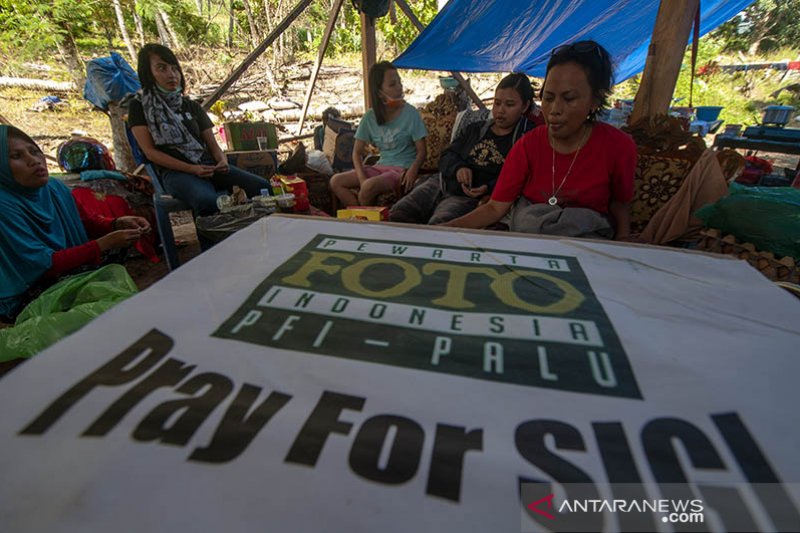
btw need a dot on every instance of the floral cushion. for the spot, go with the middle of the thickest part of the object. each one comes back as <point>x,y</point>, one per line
<point>439,117</point>
<point>657,179</point>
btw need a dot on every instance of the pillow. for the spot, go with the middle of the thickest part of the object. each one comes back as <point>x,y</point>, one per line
<point>337,124</point>
<point>338,147</point>
<point>439,117</point>
<point>656,180</point>
<point>467,117</point>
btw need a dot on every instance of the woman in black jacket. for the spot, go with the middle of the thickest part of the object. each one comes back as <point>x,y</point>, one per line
<point>469,167</point>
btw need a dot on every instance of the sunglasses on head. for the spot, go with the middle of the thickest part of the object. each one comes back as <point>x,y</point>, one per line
<point>581,47</point>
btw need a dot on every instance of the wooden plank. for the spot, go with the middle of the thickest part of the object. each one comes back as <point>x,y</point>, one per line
<point>367,52</point>
<point>326,37</point>
<point>252,56</point>
<point>664,58</point>
<point>458,77</point>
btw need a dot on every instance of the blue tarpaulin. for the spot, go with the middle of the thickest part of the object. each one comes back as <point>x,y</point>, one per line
<point>518,35</point>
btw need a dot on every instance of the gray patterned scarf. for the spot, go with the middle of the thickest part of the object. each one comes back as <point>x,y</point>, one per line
<point>165,125</point>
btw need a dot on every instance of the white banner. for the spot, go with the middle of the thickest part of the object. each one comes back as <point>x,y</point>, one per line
<point>312,375</point>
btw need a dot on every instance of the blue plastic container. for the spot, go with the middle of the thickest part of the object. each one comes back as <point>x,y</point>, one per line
<point>708,113</point>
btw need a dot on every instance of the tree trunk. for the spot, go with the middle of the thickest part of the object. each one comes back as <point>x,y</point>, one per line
<point>123,30</point>
<point>139,26</point>
<point>163,36</point>
<point>69,54</point>
<point>199,7</point>
<point>251,23</point>
<point>123,156</point>
<point>176,44</point>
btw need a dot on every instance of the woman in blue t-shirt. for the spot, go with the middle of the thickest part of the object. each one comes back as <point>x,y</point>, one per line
<point>396,129</point>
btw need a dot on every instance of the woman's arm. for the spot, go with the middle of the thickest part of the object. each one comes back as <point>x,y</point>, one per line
<point>410,177</point>
<point>90,253</point>
<point>482,216</point>
<point>154,155</point>
<point>214,149</point>
<point>358,160</point>
<point>621,212</point>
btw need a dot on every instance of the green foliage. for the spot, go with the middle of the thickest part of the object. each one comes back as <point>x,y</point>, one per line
<point>400,34</point>
<point>764,26</point>
<point>743,94</point>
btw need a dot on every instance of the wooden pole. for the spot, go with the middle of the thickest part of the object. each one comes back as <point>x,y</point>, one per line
<point>664,58</point>
<point>367,52</point>
<point>323,46</point>
<point>459,78</point>
<point>252,56</point>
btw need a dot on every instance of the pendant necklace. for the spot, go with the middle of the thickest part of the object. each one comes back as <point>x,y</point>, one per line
<point>553,200</point>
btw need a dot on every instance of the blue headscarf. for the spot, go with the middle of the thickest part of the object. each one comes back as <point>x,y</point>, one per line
<point>34,223</point>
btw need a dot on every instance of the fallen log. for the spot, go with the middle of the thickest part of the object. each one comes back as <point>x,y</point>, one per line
<point>37,85</point>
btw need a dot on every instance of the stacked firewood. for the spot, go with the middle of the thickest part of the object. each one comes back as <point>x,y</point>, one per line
<point>776,269</point>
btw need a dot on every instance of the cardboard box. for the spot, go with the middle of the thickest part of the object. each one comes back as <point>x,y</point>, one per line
<point>243,136</point>
<point>296,186</point>
<point>262,164</point>
<point>358,212</point>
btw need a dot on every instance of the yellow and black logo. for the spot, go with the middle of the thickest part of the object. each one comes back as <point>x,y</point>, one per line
<point>520,318</point>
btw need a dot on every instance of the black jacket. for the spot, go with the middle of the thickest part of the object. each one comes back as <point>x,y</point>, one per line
<point>456,155</point>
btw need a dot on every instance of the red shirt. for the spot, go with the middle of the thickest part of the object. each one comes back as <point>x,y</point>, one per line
<point>87,253</point>
<point>602,173</point>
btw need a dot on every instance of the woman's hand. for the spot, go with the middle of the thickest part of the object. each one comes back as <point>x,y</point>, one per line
<point>464,177</point>
<point>408,180</point>
<point>118,239</point>
<point>475,193</point>
<point>132,222</point>
<point>203,171</point>
<point>222,166</point>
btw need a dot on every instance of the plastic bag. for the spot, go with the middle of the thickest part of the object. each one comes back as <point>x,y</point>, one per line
<point>318,162</point>
<point>65,308</point>
<point>768,217</point>
<point>217,227</point>
<point>109,79</point>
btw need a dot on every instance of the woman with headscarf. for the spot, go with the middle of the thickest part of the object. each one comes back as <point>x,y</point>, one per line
<point>42,235</point>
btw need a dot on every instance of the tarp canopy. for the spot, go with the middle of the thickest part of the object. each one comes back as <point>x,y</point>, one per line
<point>517,36</point>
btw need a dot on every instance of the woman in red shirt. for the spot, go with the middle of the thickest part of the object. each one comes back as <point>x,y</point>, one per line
<point>573,177</point>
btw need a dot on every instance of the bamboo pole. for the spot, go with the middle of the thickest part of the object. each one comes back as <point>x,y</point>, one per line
<point>323,46</point>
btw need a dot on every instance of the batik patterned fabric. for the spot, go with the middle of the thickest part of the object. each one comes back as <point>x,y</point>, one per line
<point>657,180</point>
<point>439,117</point>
